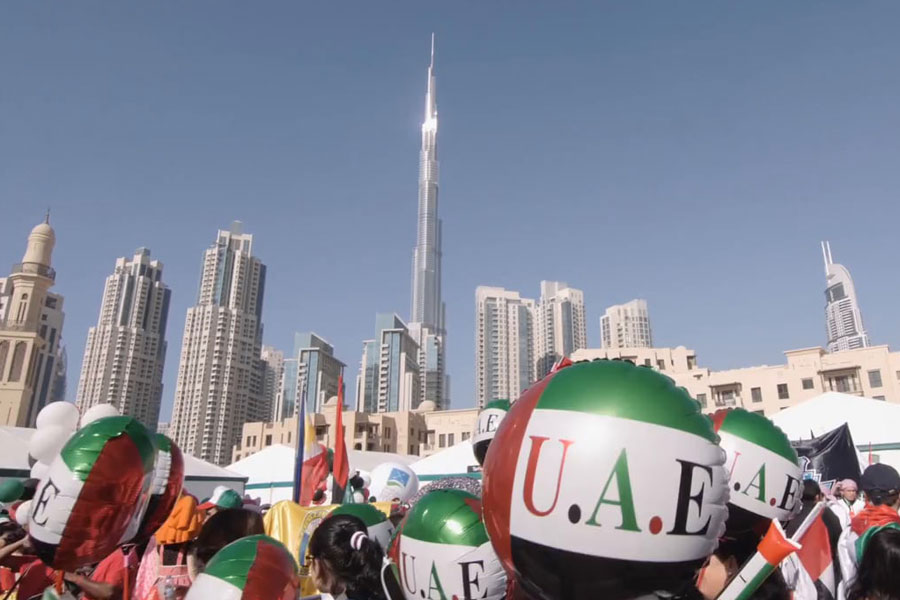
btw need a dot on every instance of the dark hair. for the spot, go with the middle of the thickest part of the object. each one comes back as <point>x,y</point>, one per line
<point>876,578</point>
<point>225,527</point>
<point>880,497</point>
<point>359,570</point>
<point>810,490</point>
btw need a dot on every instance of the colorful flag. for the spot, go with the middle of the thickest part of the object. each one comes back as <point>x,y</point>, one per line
<point>340,468</point>
<point>816,575</point>
<point>311,464</point>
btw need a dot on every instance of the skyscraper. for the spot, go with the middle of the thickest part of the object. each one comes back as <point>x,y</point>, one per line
<point>318,371</point>
<point>843,320</point>
<point>273,371</point>
<point>504,344</point>
<point>427,324</point>
<point>219,385</point>
<point>388,379</point>
<point>627,326</point>
<point>560,326</point>
<point>126,350</point>
<point>31,321</point>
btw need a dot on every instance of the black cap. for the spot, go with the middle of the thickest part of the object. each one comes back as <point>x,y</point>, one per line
<point>880,478</point>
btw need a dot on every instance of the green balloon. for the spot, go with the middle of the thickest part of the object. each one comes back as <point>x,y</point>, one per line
<point>11,490</point>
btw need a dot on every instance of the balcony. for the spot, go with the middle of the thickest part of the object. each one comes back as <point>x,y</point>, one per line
<point>32,268</point>
<point>13,325</point>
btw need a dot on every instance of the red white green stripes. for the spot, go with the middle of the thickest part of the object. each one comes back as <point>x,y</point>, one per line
<point>252,568</point>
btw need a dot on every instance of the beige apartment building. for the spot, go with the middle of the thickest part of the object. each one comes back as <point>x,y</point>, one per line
<point>872,372</point>
<point>418,433</point>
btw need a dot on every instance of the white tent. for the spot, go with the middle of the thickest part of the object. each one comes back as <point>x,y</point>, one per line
<point>270,472</point>
<point>458,461</point>
<point>200,477</point>
<point>871,422</point>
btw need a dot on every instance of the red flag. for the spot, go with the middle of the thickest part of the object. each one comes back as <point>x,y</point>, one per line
<point>816,578</point>
<point>340,470</point>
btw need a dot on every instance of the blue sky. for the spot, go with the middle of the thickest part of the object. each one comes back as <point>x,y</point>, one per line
<point>693,154</point>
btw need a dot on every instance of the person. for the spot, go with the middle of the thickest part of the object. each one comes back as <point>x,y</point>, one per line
<point>727,560</point>
<point>847,503</point>
<point>343,561</point>
<point>792,568</point>
<point>876,578</point>
<point>222,498</point>
<point>113,577</point>
<point>165,560</point>
<point>220,530</point>
<point>881,484</point>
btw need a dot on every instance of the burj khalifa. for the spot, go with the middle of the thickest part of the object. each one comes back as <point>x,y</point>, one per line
<point>427,312</point>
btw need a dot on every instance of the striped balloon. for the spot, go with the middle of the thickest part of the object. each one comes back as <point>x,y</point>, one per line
<point>486,427</point>
<point>94,495</point>
<point>610,484</point>
<point>442,550</point>
<point>252,568</point>
<point>378,525</point>
<point>168,478</point>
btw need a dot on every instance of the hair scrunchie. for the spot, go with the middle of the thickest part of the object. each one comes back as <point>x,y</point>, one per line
<point>357,538</point>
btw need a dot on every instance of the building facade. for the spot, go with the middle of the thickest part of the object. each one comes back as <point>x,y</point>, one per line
<point>843,319</point>
<point>560,326</point>
<point>504,344</point>
<point>626,326</point>
<point>219,385</point>
<point>389,378</point>
<point>872,372</point>
<point>273,371</point>
<point>318,371</point>
<point>125,352</point>
<point>427,326</point>
<point>31,322</point>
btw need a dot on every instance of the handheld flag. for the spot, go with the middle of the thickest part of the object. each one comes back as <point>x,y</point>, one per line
<point>341,470</point>
<point>773,549</point>
<point>311,462</point>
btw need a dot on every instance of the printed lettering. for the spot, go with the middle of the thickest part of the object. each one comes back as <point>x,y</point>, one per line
<point>528,493</point>
<point>39,512</point>
<point>734,464</point>
<point>434,583</point>
<point>683,505</point>
<point>758,482</point>
<point>625,501</point>
<point>790,493</point>
<point>470,580</point>
<point>407,569</point>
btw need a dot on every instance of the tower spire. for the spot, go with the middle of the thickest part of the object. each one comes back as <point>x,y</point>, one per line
<point>431,66</point>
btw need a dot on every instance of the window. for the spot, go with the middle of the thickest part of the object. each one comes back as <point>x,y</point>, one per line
<point>701,398</point>
<point>647,362</point>
<point>387,432</point>
<point>878,398</point>
<point>661,364</point>
<point>692,362</point>
<point>357,446</point>
<point>465,435</point>
<point>370,446</point>
<point>759,412</point>
<point>268,440</point>
<point>807,384</point>
<point>756,394</point>
<point>450,437</point>
<point>442,441</point>
<point>875,378</point>
<point>783,391</point>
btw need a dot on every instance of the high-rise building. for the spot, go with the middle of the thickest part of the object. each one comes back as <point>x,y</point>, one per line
<point>388,379</point>
<point>318,371</point>
<point>31,322</point>
<point>843,320</point>
<point>560,326</point>
<point>219,385</point>
<point>126,350</point>
<point>504,344</point>
<point>273,370</point>
<point>627,326</point>
<point>427,324</point>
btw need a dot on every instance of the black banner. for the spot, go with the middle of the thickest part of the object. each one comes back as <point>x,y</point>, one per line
<point>829,457</point>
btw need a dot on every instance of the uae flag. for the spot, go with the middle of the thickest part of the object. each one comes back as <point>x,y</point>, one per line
<point>816,564</point>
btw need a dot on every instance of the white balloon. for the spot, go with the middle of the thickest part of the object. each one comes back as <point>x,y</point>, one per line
<point>46,443</point>
<point>60,413</point>
<point>366,477</point>
<point>22,512</point>
<point>97,412</point>
<point>393,480</point>
<point>39,469</point>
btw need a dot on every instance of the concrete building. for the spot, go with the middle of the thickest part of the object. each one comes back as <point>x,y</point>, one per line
<point>31,322</point>
<point>388,379</point>
<point>626,326</point>
<point>273,370</point>
<point>843,319</point>
<point>427,314</point>
<point>318,371</point>
<point>125,352</point>
<point>504,344</point>
<point>416,433</point>
<point>560,327</point>
<point>219,385</point>
<point>872,372</point>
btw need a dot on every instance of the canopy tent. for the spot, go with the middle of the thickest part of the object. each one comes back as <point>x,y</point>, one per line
<point>270,472</point>
<point>455,461</point>
<point>873,423</point>
<point>200,477</point>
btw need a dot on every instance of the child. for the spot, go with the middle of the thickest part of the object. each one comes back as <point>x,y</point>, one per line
<point>343,560</point>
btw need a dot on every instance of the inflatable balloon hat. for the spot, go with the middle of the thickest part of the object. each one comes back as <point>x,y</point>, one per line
<point>611,485</point>
<point>486,426</point>
<point>94,495</point>
<point>252,568</point>
<point>441,550</point>
<point>55,424</point>
<point>183,523</point>
<point>11,490</point>
<point>168,478</point>
<point>764,474</point>
<point>379,527</point>
<point>392,481</point>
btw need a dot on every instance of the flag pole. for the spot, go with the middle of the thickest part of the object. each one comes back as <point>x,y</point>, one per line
<point>301,446</point>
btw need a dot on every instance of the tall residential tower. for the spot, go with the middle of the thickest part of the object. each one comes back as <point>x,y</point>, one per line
<point>560,326</point>
<point>843,320</point>
<point>126,350</point>
<point>504,344</point>
<point>220,377</point>
<point>626,326</point>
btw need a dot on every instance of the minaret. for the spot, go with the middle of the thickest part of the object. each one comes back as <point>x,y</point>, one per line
<point>427,325</point>
<point>22,341</point>
<point>843,319</point>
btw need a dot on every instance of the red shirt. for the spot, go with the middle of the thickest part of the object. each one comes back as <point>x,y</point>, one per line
<point>116,569</point>
<point>36,577</point>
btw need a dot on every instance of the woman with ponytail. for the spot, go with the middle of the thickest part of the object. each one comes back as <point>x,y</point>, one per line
<point>344,561</point>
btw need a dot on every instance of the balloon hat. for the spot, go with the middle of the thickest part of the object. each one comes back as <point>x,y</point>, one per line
<point>486,427</point>
<point>379,527</point>
<point>256,567</point>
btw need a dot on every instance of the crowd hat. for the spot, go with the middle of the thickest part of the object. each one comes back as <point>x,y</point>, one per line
<point>222,497</point>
